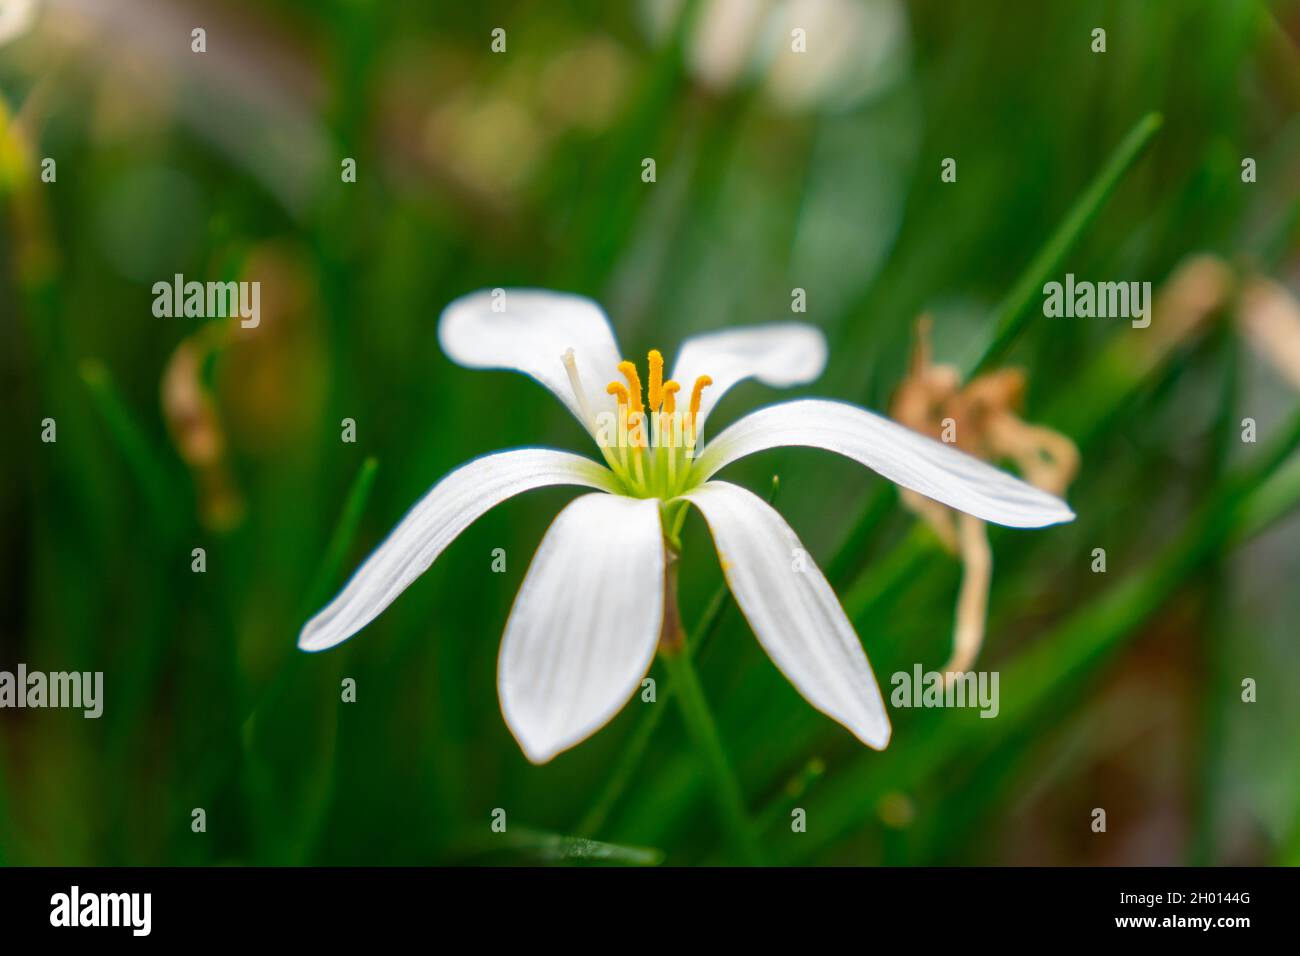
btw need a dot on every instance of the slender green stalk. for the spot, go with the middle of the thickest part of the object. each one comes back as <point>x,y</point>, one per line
<point>1013,312</point>
<point>779,810</point>
<point>293,844</point>
<point>345,531</point>
<point>638,743</point>
<point>1273,501</point>
<point>854,544</point>
<point>704,732</point>
<point>340,542</point>
<point>141,457</point>
<point>712,616</point>
<point>634,749</point>
<point>616,783</point>
<point>907,558</point>
<point>1209,665</point>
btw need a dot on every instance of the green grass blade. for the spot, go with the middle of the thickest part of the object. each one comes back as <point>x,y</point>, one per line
<point>704,734</point>
<point>1011,315</point>
<point>345,531</point>
<point>143,460</point>
<point>1013,312</point>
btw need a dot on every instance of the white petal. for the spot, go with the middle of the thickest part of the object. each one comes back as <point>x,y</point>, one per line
<point>16,17</point>
<point>782,355</point>
<point>449,507</point>
<point>531,336</point>
<point>585,624</point>
<point>792,610</point>
<point>903,456</point>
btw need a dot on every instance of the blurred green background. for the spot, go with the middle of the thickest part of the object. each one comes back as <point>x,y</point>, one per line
<point>775,170</point>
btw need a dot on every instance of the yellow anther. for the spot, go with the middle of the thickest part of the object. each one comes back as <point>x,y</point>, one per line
<point>617,388</point>
<point>670,390</point>
<point>701,384</point>
<point>656,363</point>
<point>633,385</point>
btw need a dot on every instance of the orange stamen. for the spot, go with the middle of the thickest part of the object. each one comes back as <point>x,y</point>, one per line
<point>701,384</point>
<point>634,385</point>
<point>656,363</point>
<point>670,390</point>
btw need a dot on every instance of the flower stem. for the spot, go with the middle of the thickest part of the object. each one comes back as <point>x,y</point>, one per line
<point>631,754</point>
<point>639,742</point>
<point>593,821</point>
<point>145,463</point>
<point>340,541</point>
<point>704,733</point>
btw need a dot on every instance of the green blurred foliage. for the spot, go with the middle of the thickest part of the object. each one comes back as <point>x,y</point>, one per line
<point>479,169</point>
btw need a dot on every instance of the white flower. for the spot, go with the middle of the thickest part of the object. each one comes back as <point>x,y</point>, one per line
<point>16,18</point>
<point>589,615</point>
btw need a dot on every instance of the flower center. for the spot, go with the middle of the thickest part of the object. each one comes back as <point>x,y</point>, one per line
<point>650,442</point>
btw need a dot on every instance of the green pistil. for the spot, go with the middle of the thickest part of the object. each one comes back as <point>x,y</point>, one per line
<point>663,470</point>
